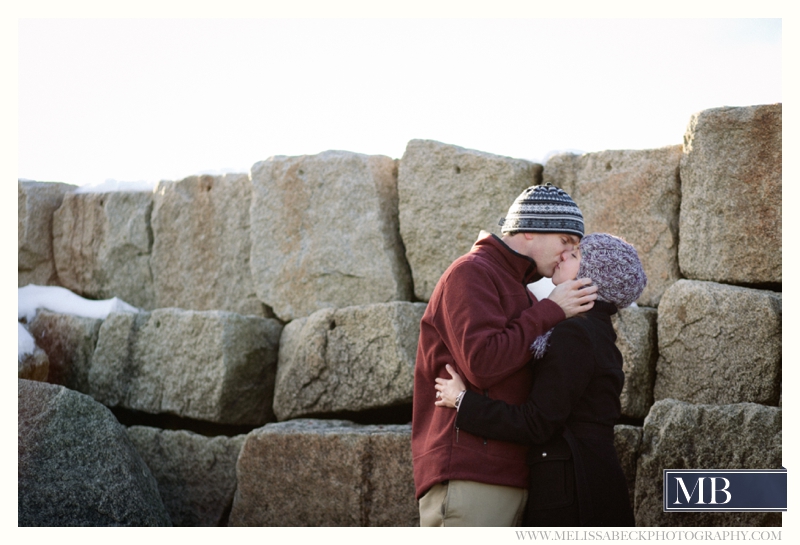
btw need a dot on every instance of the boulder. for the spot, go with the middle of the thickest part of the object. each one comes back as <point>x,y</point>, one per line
<point>324,233</point>
<point>633,194</point>
<point>201,245</point>
<point>325,473</point>
<point>102,243</point>
<point>348,359</point>
<point>730,220</point>
<point>448,194</point>
<point>680,435</point>
<point>36,203</point>
<point>76,465</point>
<point>636,339</point>
<point>69,342</point>
<point>33,365</point>
<point>214,366</point>
<point>627,442</point>
<point>719,344</point>
<point>196,475</point>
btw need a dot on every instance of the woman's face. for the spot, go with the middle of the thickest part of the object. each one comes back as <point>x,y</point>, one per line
<point>567,269</point>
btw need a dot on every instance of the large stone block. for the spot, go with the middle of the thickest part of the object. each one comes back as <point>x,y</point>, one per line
<point>196,475</point>
<point>102,243</point>
<point>69,342</point>
<point>33,366</point>
<point>324,233</point>
<point>448,195</point>
<point>730,218</point>
<point>32,361</point>
<point>325,473</point>
<point>76,465</point>
<point>637,341</point>
<point>627,442</point>
<point>719,344</point>
<point>201,245</point>
<point>633,194</point>
<point>349,359</point>
<point>36,203</point>
<point>680,435</point>
<point>214,366</point>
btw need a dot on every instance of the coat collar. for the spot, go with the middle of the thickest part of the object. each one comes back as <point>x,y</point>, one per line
<point>521,266</point>
<point>604,307</point>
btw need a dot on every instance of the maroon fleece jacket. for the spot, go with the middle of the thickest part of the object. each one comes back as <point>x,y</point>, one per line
<point>481,319</point>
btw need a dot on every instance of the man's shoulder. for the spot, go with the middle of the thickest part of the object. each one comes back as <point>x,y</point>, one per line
<point>474,262</point>
<point>476,266</point>
<point>480,255</point>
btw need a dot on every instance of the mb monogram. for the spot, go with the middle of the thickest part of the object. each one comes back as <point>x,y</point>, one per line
<point>743,490</point>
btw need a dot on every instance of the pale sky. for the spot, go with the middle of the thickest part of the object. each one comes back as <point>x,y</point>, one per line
<point>150,99</point>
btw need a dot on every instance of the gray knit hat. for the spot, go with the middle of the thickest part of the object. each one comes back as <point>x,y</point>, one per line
<point>614,267</point>
<point>543,209</point>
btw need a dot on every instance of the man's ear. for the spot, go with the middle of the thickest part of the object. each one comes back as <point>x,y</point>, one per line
<point>528,236</point>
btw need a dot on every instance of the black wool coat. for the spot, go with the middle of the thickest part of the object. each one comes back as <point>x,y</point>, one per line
<point>575,478</point>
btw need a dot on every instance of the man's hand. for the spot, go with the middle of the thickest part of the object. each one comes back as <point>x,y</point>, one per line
<point>574,296</point>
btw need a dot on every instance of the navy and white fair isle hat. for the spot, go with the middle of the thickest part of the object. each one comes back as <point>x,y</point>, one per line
<point>543,209</point>
<point>614,267</point>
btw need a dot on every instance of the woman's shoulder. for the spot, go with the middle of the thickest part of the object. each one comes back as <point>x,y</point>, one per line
<point>585,325</point>
<point>583,341</point>
<point>571,330</point>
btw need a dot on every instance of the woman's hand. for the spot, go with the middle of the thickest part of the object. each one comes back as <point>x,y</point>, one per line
<point>448,389</point>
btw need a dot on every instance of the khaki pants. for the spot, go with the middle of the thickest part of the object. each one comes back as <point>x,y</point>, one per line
<point>469,503</point>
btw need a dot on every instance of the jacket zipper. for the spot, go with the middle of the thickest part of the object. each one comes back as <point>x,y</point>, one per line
<point>527,274</point>
<point>485,393</point>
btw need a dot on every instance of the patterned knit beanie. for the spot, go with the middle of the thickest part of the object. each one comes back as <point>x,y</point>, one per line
<point>543,209</point>
<point>614,267</point>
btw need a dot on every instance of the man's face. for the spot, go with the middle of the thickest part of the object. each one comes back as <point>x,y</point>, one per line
<point>546,249</point>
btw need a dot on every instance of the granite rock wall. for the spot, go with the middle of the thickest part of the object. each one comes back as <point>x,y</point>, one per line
<point>267,378</point>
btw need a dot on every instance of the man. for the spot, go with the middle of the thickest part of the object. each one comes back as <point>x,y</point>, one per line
<point>481,319</point>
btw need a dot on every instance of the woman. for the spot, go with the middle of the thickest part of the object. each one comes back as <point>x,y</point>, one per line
<point>575,475</point>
